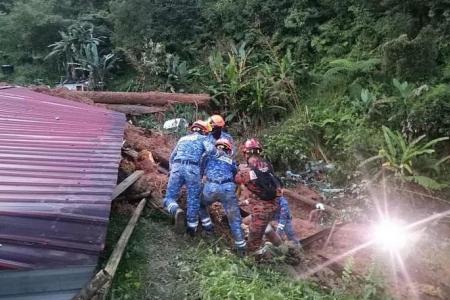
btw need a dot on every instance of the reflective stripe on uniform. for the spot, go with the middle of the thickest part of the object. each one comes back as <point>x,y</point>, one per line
<point>192,224</point>
<point>206,222</point>
<point>240,244</point>
<point>171,206</point>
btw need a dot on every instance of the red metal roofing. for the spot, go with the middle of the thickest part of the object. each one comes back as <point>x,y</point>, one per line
<point>58,167</point>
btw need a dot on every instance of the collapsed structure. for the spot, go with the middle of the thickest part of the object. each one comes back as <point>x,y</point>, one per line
<point>58,166</point>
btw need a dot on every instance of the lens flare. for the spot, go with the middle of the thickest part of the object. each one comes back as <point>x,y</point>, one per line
<point>390,235</point>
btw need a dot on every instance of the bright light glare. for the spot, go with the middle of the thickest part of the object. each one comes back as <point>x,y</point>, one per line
<point>390,235</point>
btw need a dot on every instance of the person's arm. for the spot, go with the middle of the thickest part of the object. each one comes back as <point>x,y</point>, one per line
<point>172,155</point>
<point>242,176</point>
<point>234,168</point>
<point>203,163</point>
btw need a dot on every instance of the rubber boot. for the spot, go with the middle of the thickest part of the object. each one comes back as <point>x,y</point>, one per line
<point>241,251</point>
<point>180,221</point>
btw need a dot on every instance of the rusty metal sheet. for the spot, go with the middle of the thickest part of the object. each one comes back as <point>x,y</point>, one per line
<point>58,168</point>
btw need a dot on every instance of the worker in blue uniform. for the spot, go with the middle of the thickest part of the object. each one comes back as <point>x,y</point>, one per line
<point>220,169</point>
<point>185,163</point>
<point>218,131</point>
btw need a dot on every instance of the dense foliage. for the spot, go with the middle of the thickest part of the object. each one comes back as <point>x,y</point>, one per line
<point>338,70</point>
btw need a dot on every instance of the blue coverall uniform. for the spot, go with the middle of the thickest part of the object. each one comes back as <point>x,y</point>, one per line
<point>185,162</point>
<point>220,169</point>
<point>284,218</point>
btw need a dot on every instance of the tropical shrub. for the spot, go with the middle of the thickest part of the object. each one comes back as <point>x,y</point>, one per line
<point>398,157</point>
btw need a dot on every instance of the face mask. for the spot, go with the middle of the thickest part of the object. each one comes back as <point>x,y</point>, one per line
<point>216,132</point>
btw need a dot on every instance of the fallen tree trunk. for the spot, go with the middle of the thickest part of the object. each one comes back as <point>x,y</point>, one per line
<point>309,201</point>
<point>147,98</point>
<point>161,160</point>
<point>135,110</point>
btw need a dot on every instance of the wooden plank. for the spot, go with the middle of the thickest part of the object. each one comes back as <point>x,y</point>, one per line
<point>114,260</point>
<point>309,201</point>
<point>121,187</point>
<point>105,276</point>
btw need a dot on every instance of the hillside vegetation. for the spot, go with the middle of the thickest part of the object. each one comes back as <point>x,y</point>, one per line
<point>320,77</point>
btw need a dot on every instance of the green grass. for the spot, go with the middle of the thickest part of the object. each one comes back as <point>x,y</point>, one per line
<point>158,264</point>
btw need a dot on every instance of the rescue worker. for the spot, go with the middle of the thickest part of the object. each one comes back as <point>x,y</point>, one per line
<point>265,188</point>
<point>184,163</point>
<point>284,218</point>
<point>217,130</point>
<point>220,169</point>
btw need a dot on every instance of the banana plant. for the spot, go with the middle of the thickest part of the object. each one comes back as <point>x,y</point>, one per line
<point>397,156</point>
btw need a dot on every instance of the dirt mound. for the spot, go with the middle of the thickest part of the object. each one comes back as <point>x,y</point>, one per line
<point>160,145</point>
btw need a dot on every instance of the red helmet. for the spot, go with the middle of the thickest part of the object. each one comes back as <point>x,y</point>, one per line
<point>216,121</point>
<point>226,144</point>
<point>252,146</point>
<point>201,126</point>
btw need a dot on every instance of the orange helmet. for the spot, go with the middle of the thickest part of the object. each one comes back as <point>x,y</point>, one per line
<point>216,121</point>
<point>226,144</point>
<point>252,146</point>
<point>201,126</point>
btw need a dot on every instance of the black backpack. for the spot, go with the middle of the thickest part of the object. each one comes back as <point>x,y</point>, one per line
<point>263,184</point>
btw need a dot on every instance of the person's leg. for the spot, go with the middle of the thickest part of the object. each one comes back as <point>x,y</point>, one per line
<point>207,198</point>
<point>230,205</point>
<point>193,184</point>
<point>262,214</point>
<point>290,232</point>
<point>176,181</point>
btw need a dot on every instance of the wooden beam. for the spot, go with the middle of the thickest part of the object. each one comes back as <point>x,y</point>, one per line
<point>121,187</point>
<point>114,259</point>
<point>308,201</point>
<point>105,276</point>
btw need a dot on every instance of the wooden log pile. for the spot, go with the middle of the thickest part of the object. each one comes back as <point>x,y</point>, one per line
<point>131,103</point>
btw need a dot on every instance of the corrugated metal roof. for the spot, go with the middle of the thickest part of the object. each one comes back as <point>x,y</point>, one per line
<point>58,167</point>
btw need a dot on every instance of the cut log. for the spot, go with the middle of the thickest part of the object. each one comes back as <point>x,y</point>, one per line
<point>164,162</point>
<point>135,110</point>
<point>309,201</point>
<point>148,98</point>
<point>120,188</point>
